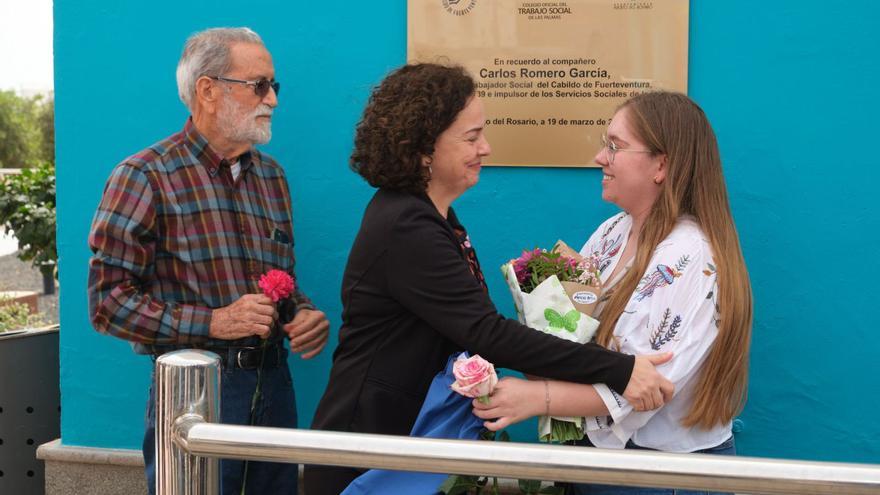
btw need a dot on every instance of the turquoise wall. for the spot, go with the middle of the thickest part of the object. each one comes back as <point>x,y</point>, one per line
<point>789,87</point>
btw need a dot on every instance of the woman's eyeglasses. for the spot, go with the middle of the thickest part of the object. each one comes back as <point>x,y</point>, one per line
<point>261,86</point>
<point>611,149</point>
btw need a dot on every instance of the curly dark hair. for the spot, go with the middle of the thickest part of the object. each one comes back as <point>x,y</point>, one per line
<point>406,113</point>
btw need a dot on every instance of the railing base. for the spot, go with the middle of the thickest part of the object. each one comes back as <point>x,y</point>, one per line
<point>92,471</point>
<point>98,471</point>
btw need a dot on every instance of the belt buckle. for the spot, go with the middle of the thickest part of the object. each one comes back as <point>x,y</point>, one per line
<point>238,356</point>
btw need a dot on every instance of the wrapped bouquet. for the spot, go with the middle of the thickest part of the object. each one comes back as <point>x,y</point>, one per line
<point>555,292</point>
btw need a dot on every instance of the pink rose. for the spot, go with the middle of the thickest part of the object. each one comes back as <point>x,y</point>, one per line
<point>276,284</point>
<point>474,377</point>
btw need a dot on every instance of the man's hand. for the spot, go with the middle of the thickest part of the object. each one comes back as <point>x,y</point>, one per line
<point>648,389</point>
<point>308,332</point>
<point>252,314</point>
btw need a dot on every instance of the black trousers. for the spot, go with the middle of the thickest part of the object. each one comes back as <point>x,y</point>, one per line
<point>328,480</point>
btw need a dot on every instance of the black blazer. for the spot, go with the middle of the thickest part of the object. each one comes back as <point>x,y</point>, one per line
<point>409,301</point>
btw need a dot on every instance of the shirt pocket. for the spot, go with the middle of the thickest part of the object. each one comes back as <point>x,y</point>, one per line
<point>275,255</point>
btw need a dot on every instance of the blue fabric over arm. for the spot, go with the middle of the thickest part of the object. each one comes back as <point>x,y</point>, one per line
<point>444,414</point>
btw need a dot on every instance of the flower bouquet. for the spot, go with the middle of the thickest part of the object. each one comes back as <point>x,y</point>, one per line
<point>555,292</point>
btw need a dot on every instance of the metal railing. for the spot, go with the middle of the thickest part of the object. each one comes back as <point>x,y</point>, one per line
<point>189,444</point>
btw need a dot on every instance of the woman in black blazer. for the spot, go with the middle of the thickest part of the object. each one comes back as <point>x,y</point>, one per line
<point>413,292</point>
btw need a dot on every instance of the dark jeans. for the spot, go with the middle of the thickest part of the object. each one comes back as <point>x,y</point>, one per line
<point>277,408</point>
<point>728,447</point>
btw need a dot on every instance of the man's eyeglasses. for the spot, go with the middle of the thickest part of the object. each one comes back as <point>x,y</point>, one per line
<point>611,149</point>
<point>261,86</point>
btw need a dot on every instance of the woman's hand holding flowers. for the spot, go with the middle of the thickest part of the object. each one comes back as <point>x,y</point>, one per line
<point>512,401</point>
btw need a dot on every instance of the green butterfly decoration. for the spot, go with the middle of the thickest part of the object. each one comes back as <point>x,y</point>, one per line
<point>568,322</point>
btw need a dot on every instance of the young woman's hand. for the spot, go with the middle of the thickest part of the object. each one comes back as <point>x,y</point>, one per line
<point>512,401</point>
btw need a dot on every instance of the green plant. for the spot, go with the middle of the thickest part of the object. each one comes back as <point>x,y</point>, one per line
<point>27,130</point>
<point>27,207</point>
<point>14,315</point>
<point>45,121</point>
<point>461,484</point>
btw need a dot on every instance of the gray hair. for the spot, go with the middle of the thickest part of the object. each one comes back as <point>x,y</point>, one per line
<point>206,53</point>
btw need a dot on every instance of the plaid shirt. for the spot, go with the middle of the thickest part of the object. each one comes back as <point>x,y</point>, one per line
<point>175,236</point>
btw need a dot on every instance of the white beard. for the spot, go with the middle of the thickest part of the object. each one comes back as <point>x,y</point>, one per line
<point>241,126</point>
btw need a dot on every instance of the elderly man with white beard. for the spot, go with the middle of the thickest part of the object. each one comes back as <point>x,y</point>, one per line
<point>183,233</point>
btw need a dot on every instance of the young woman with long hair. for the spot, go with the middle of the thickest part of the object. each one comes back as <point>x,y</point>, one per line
<point>674,280</point>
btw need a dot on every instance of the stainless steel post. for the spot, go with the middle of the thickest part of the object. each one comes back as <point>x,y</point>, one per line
<point>187,389</point>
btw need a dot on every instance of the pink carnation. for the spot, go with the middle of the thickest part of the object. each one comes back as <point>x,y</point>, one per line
<point>276,284</point>
<point>474,377</point>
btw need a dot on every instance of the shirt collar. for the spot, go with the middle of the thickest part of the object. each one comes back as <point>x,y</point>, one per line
<point>201,149</point>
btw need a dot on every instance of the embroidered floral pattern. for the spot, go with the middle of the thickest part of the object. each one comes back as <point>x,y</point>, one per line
<point>666,331</point>
<point>608,248</point>
<point>682,262</point>
<point>716,315</point>
<point>656,319</point>
<point>613,224</point>
<point>709,270</point>
<point>607,251</point>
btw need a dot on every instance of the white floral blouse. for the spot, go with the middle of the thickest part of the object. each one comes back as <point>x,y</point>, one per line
<point>672,309</point>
